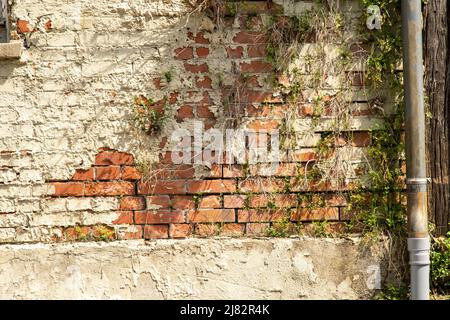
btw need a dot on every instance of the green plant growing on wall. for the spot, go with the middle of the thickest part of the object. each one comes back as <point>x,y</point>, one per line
<point>148,115</point>
<point>440,264</point>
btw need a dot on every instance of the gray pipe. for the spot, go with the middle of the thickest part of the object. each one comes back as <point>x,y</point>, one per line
<point>418,240</point>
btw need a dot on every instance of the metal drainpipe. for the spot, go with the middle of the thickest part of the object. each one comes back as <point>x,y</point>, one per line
<point>418,240</point>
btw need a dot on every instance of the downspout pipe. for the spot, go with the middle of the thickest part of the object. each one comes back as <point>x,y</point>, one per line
<point>416,180</point>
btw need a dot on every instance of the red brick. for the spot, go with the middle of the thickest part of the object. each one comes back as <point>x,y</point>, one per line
<point>184,53</point>
<point>361,139</point>
<point>23,26</point>
<point>211,186</point>
<point>125,217</point>
<point>202,52</point>
<point>257,229</point>
<point>183,202</point>
<point>83,175</point>
<point>183,171</point>
<point>211,215</point>
<point>304,214</point>
<point>162,187</point>
<point>253,215</point>
<point>131,173</point>
<point>180,230</point>
<point>263,125</point>
<point>250,37</point>
<point>158,216</point>
<point>109,188</point>
<point>156,232</point>
<point>303,155</point>
<point>204,112</point>
<point>198,38</point>
<point>196,68</point>
<point>259,50</point>
<point>134,235</point>
<point>203,83</point>
<point>210,202</point>
<point>256,66</point>
<point>132,203</point>
<point>235,53</point>
<point>252,96</point>
<point>233,171</point>
<point>232,229</point>
<point>185,112</point>
<point>216,171</point>
<point>262,185</point>
<point>108,158</point>
<point>107,173</point>
<point>206,230</point>
<point>65,189</point>
<point>234,201</point>
<point>158,202</point>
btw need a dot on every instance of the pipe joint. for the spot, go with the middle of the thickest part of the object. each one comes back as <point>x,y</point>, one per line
<point>419,249</point>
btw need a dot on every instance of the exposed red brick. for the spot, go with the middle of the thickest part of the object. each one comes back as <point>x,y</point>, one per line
<point>263,125</point>
<point>107,173</point>
<point>234,201</point>
<point>185,112</point>
<point>204,112</point>
<point>216,171</point>
<point>183,202</point>
<point>202,52</point>
<point>108,158</point>
<point>184,53</point>
<point>158,216</point>
<point>23,26</point>
<point>156,232</point>
<point>180,230</point>
<point>137,234</point>
<point>65,189</point>
<point>83,175</point>
<point>125,217</point>
<point>233,171</point>
<point>203,83</point>
<point>162,187</point>
<point>131,173</point>
<point>303,155</point>
<point>304,214</point>
<point>206,230</point>
<point>132,203</point>
<point>119,188</point>
<point>198,38</point>
<point>157,83</point>
<point>235,53</point>
<point>48,25</point>
<point>252,96</point>
<point>257,229</point>
<point>211,186</point>
<point>158,202</point>
<point>262,185</point>
<point>253,215</point>
<point>250,37</point>
<point>232,229</point>
<point>256,66</point>
<point>211,215</point>
<point>259,50</point>
<point>196,68</point>
<point>361,139</point>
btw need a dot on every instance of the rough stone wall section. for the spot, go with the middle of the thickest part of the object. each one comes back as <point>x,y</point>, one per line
<point>69,150</point>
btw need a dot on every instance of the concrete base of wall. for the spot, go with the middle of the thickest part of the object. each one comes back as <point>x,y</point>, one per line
<point>221,268</point>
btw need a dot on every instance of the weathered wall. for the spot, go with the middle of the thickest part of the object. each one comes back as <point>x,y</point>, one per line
<point>192,269</point>
<point>69,150</point>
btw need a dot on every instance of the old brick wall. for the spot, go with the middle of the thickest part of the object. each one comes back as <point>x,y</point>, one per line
<point>70,154</point>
